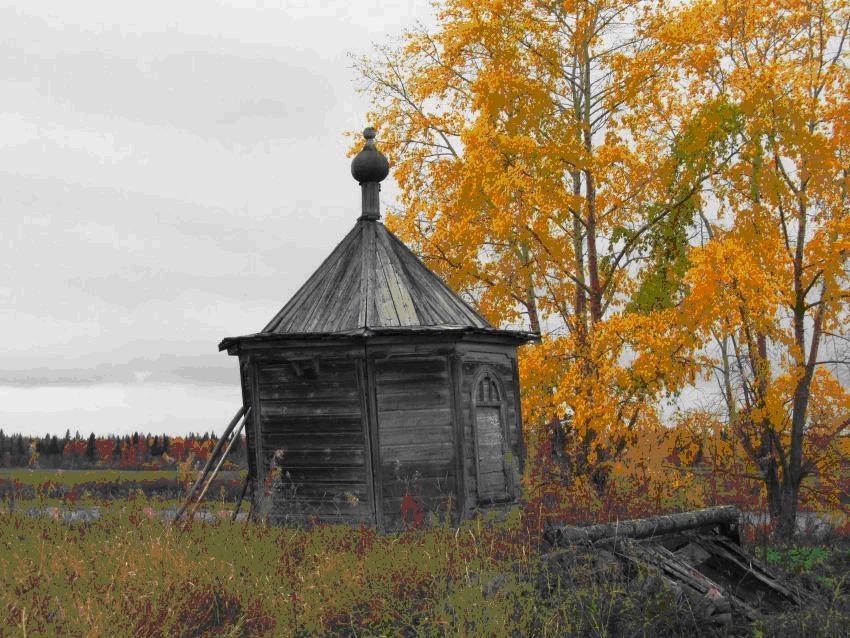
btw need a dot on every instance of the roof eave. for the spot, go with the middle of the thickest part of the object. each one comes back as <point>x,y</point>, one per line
<point>517,336</point>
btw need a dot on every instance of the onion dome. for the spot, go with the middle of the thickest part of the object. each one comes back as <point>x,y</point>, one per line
<point>369,165</point>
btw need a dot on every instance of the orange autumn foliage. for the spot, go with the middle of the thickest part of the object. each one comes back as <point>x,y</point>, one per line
<point>624,177</point>
<point>771,283</point>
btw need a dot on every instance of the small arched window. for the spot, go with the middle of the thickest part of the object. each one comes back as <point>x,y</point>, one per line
<point>490,439</point>
<point>488,392</point>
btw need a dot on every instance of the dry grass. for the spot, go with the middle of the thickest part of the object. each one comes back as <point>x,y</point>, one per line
<point>131,575</point>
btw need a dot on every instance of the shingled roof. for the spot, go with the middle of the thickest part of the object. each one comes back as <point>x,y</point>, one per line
<point>372,280</point>
<point>373,283</point>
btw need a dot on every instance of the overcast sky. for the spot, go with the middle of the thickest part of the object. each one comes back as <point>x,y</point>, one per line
<point>170,173</point>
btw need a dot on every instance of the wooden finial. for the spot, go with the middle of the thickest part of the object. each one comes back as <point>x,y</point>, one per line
<point>369,167</point>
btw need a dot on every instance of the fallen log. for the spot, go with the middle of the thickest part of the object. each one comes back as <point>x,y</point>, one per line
<point>638,528</point>
<point>696,554</point>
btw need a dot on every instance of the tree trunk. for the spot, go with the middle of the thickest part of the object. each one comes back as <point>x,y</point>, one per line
<point>578,250</point>
<point>590,192</point>
<point>793,476</point>
<point>533,315</point>
<point>530,298</point>
<point>773,488</point>
<point>645,527</point>
<point>788,514</point>
<point>592,255</point>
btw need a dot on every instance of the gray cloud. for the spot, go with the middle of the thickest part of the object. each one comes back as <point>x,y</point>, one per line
<point>267,108</point>
<point>211,86</point>
<point>132,250</point>
<point>170,174</point>
<point>205,369</point>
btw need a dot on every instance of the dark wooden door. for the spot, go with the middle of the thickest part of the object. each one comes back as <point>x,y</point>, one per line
<point>490,442</point>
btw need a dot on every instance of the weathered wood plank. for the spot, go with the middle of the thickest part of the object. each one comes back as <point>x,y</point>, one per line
<point>424,437</point>
<point>332,373</point>
<point>255,427</point>
<point>275,409</point>
<point>428,311</point>
<point>492,480</point>
<point>410,365</point>
<point>461,497</point>
<point>312,424</point>
<point>366,265</point>
<point>490,442</point>
<point>436,386</point>
<point>432,417</point>
<point>431,289</point>
<point>338,473</point>
<point>298,392</point>
<point>343,397</point>
<point>315,314</point>
<point>333,359</point>
<point>416,472</point>
<point>396,282</point>
<point>315,457</point>
<point>345,303</point>
<point>284,440</point>
<point>401,383</point>
<point>276,380</point>
<point>384,283</point>
<point>244,375</point>
<point>383,301</point>
<point>312,403</point>
<point>334,440</point>
<point>419,451</point>
<point>388,402</point>
<point>365,405</point>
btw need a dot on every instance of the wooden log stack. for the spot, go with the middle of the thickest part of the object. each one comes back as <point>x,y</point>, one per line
<point>696,554</point>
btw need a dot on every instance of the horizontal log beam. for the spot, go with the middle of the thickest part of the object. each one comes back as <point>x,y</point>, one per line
<point>644,527</point>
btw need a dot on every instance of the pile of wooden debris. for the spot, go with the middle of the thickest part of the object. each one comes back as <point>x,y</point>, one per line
<point>697,554</point>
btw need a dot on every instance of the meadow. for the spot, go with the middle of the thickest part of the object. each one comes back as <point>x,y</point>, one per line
<point>132,573</point>
<point>91,487</point>
<point>71,478</point>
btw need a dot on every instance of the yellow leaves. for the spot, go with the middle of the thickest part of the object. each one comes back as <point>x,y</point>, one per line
<point>830,405</point>
<point>606,382</point>
<point>740,276</point>
<point>717,114</point>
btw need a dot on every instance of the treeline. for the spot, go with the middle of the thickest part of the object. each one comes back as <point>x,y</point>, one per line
<point>131,451</point>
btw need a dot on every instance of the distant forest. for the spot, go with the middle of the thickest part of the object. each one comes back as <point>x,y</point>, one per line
<point>132,451</point>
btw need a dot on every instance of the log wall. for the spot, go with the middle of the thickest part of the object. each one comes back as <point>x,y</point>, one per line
<point>416,434</point>
<point>311,408</point>
<point>361,426</point>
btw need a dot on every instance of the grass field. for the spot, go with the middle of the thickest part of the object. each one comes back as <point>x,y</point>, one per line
<point>70,478</point>
<point>127,575</point>
<point>131,573</point>
<point>95,486</point>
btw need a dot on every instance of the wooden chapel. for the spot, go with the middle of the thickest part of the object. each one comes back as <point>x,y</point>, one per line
<point>376,390</point>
